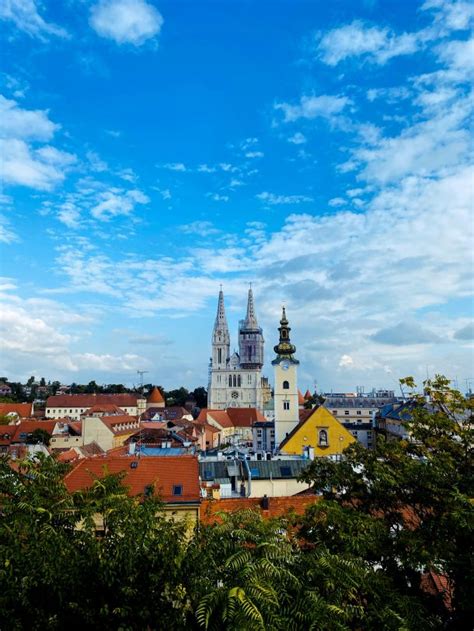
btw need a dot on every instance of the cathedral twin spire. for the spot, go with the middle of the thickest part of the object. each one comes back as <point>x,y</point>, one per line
<point>250,335</point>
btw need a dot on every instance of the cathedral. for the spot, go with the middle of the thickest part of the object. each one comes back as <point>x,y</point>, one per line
<point>236,380</point>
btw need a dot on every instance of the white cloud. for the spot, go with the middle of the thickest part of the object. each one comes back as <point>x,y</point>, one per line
<point>310,107</point>
<point>174,166</point>
<point>200,227</point>
<point>115,202</point>
<point>254,154</point>
<point>126,21</point>
<point>96,163</point>
<point>336,201</point>
<point>24,14</point>
<point>204,168</point>
<point>297,139</point>
<point>275,200</point>
<point>7,235</point>
<point>16,122</point>
<point>346,361</point>
<point>217,197</point>
<point>19,166</point>
<point>377,45</point>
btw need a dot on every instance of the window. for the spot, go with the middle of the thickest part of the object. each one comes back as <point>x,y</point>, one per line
<point>219,355</point>
<point>286,405</point>
<point>249,378</point>
<point>334,412</point>
<point>286,385</point>
<point>359,412</point>
<point>323,438</point>
<point>230,381</point>
<point>177,489</point>
<point>346,412</point>
<point>239,381</point>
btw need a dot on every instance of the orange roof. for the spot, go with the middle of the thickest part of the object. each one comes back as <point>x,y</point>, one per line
<point>232,417</point>
<point>22,409</point>
<point>68,456</point>
<point>89,400</point>
<point>301,398</point>
<point>307,395</point>
<point>220,417</point>
<point>113,423</point>
<point>155,396</point>
<point>104,408</point>
<point>27,427</point>
<point>244,417</point>
<point>162,472</point>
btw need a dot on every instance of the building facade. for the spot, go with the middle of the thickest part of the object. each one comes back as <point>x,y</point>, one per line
<point>286,383</point>
<point>236,380</point>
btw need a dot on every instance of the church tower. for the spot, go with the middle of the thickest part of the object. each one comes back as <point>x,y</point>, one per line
<point>286,383</point>
<point>220,337</point>
<point>236,380</point>
<point>250,338</point>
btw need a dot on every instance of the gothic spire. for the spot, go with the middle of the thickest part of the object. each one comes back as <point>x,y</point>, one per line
<point>251,318</point>
<point>221,320</point>
<point>284,349</point>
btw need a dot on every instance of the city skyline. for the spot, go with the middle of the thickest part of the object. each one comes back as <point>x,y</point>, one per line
<point>153,151</point>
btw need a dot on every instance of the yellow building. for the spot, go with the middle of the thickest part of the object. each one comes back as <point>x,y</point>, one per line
<point>320,431</point>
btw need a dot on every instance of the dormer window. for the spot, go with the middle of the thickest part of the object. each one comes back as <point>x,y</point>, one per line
<point>177,489</point>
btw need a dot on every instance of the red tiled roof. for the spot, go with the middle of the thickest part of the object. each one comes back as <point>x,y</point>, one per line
<point>68,456</point>
<point>277,506</point>
<point>163,473</point>
<point>301,398</point>
<point>27,427</point>
<point>244,417</point>
<point>220,417</point>
<point>307,395</point>
<point>112,422</point>
<point>155,396</point>
<point>104,408</point>
<point>89,400</point>
<point>22,409</point>
<point>232,417</point>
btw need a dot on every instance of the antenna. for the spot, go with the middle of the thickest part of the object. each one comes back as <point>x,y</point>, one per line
<point>141,373</point>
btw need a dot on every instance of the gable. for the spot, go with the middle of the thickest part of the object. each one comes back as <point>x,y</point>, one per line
<point>308,434</point>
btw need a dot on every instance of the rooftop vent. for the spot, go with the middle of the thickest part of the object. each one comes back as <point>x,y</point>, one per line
<point>134,464</point>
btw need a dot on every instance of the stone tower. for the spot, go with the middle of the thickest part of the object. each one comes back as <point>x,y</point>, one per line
<point>236,380</point>
<point>286,383</point>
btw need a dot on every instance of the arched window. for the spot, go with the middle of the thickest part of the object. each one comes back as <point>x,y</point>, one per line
<point>230,381</point>
<point>323,438</point>
<point>234,379</point>
<point>286,385</point>
<point>239,381</point>
<point>219,355</point>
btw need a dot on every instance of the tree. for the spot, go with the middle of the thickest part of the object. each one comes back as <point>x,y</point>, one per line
<point>56,575</point>
<point>30,381</point>
<point>200,396</point>
<point>177,397</point>
<point>40,436</point>
<point>406,507</point>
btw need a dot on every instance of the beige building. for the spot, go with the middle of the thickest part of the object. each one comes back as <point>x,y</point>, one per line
<point>73,406</point>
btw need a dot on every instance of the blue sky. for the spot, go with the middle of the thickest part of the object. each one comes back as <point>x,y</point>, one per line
<point>154,150</point>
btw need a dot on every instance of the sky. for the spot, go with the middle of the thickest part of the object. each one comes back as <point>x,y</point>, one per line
<point>152,151</point>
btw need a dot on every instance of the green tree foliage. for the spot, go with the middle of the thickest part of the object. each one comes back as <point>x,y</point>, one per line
<point>40,437</point>
<point>406,507</point>
<point>56,575</point>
